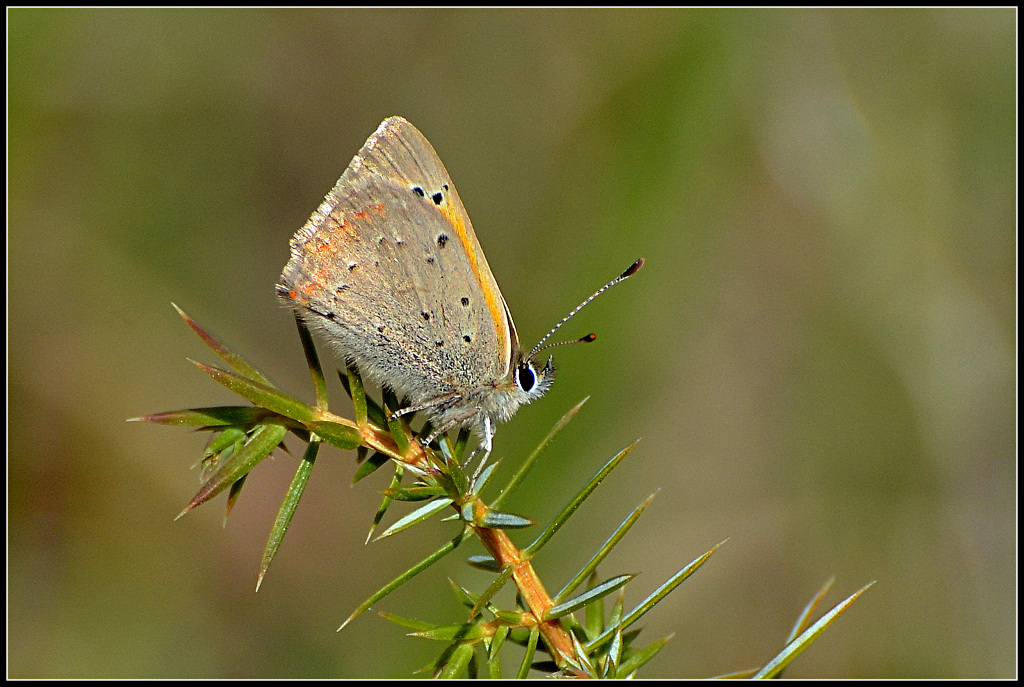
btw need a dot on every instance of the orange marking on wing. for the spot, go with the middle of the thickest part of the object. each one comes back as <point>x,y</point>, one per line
<point>362,214</point>
<point>491,297</point>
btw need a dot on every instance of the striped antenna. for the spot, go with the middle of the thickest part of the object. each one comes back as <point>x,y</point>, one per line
<point>589,337</point>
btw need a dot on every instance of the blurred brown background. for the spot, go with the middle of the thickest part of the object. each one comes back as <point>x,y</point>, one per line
<point>819,355</point>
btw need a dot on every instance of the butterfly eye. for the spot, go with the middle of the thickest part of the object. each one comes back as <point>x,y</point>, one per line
<point>526,378</point>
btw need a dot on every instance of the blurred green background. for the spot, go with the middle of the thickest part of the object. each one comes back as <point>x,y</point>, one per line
<point>819,354</point>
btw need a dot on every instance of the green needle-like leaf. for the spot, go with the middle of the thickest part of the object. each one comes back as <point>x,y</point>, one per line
<point>580,660</point>
<point>465,597</point>
<point>812,606</point>
<point>593,616</point>
<point>656,596</point>
<point>456,665</point>
<point>235,361</point>
<point>353,384</point>
<point>531,650</point>
<point>495,520</point>
<point>238,416</point>
<point>452,468</point>
<point>398,427</point>
<point>614,655</point>
<point>461,442</point>
<point>450,632</point>
<point>263,440</point>
<point>794,648</point>
<point>586,597</point>
<point>603,552</point>
<point>370,466</point>
<point>225,439</point>
<point>260,394</point>
<point>639,658</point>
<point>576,502</point>
<point>408,575</point>
<point>527,465</point>
<point>385,503</point>
<point>336,434</point>
<point>287,509</point>
<point>498,640</point>
<point>410,623</point>
<point>481,480</point>
<point>418,515</point>
<point>485,563</point>
<point>493,660</point>
<point>319,382</point>
<point>233,493</point>
<point>366,409</point>
<point>493,589</point>
<point>415,493</point>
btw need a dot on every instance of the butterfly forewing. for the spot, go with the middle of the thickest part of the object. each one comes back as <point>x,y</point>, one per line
<point>390,269</point>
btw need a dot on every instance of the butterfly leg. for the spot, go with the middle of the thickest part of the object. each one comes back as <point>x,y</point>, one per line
<point>485,447</point>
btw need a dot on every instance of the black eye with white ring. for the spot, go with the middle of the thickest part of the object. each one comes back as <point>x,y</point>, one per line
<point>526,378</point>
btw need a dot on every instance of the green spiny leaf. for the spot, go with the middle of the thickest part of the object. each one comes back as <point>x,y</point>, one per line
<point>418,515</point>
<point>528,464</point>
<point>317,372</point>
<point>656,596</point>
<point>460,482</point>
<point>235,361</point>
<point>581,659</point>
<point>366,409</point>
<point>385,502</point>
<point>228,438</point>
<point>480,481</point>
<point>793,649</point>
<point>603,552</point>
<point>399,428</point>
<point>237,416</point>
<point>486,563</point>
<point>449,632</point>
<point>464,596</point>
<point>586,597</point>
<point>262,395</point>
<point>805,617</point>
<point>457,663</point>
<point>493,660</point>
<point>576,502</point>
<point>420,492</point>
<point>410,623</point>
<point>234,491</point>
<point>264,439</point>
<point>637,659</point>
<point>495,520</point>
<point>594,613</point>
<point>287,509</point>
<point>408,575</point>
<point>531,649</point>
<point>336,434</point>
<point>369,467</point>
<point>493,589</point>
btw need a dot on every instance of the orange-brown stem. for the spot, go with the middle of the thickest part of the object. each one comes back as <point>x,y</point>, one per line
<point>531,589</point>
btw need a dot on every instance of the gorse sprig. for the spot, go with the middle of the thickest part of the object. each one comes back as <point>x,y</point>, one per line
<point>603,645</point>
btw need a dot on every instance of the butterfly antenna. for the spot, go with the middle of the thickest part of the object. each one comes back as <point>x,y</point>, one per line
<point>589,337</point>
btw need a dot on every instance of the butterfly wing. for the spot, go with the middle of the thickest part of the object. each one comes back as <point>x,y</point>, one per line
<point>389,268</point>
